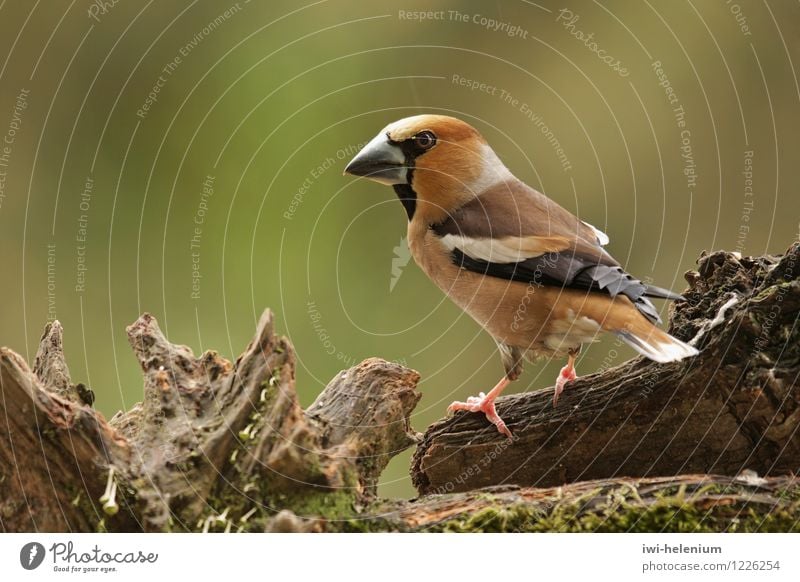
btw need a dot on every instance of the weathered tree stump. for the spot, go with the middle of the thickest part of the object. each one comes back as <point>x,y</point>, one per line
<point>213,445</point>
<point>221,446</point>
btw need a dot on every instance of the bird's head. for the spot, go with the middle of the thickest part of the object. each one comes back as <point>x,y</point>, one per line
<point>435,163</point>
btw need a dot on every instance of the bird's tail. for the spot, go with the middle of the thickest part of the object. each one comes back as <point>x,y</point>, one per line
<point>656,344</point>
<point>659,293</point>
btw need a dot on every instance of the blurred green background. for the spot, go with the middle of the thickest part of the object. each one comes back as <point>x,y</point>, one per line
<point>262,104</point>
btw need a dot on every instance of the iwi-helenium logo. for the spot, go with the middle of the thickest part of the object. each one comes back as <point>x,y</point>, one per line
<point>31,555</point>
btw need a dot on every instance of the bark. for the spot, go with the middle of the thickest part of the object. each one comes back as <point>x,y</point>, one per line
<point>224,446</point>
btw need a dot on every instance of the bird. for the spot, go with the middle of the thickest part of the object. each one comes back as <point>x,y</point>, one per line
<point>528,271</point>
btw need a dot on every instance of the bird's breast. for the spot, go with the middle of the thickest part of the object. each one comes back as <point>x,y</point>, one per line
<point>541,319</point>
<point>510,311</point>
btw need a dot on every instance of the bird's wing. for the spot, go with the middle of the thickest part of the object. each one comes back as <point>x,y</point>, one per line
<point>514,232</point>
<point>602,238</point>
<point>507,249</point>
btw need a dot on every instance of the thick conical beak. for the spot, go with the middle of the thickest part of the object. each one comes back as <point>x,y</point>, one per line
<point>380,160</point>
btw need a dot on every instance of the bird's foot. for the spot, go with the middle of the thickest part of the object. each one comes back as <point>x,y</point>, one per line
<point>484,404</point>
<point>567,375</point>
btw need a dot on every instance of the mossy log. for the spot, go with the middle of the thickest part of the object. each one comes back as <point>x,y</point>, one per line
<point>221,446</point>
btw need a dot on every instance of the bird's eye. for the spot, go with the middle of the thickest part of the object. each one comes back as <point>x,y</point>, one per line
<point>425,140</point>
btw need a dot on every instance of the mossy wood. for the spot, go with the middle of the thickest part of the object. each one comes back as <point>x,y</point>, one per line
<point>221,446</point>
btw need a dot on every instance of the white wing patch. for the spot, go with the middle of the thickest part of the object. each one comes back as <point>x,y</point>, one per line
<point>491,250</point>
<point>602,237</point>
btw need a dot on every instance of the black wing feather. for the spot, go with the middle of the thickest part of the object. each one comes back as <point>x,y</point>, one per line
<point>574,271</point>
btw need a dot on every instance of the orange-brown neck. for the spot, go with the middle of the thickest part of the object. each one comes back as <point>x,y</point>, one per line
<point>447,178</point>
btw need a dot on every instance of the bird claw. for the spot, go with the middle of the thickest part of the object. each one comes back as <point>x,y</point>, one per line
<point>567,374</point>
<point>473,404</point>
<point>482,404</point>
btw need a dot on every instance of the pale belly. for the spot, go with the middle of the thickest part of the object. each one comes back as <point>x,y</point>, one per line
<point>541,320</point>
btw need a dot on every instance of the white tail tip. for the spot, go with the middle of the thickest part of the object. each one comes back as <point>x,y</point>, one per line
<point>657,349</point>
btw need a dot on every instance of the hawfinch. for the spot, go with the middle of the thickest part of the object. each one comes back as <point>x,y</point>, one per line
<point>528,271</point>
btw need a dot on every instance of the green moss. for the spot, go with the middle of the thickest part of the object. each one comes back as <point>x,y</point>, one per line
<point>622,510</point>
<point>782,287</point>
<point>246,501</point>
<point>790,494</point>
<point>497,519</point>
<point>244,515</point>
<point>361,525</point>
<point>49,432</point>
<point>783,520</point>
<point>325,504</point>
